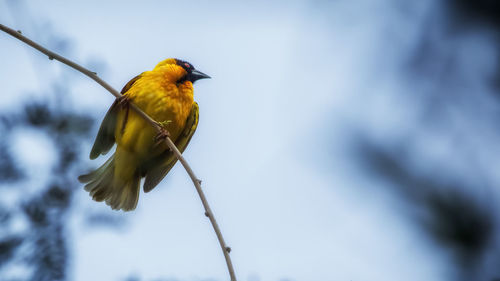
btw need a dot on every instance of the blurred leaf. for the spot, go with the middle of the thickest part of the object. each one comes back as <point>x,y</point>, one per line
<point>36,212</point>
<point>9,171</point>
<point>485,11</point>
<point>50,256</point>
<point>75,124</point>
<point>37,114</point>
<point>460,222</point>
<point>57,196</point>
<point>4,216</point>
<point>7,247</point>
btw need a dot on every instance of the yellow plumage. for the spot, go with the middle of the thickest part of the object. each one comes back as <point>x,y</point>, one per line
<point>166,95</point>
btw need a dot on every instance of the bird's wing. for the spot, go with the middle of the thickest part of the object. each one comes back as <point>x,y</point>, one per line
<point>157,168</point>
<point>106,136</point>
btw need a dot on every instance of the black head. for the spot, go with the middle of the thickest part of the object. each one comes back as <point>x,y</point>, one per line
<point>191,73</point>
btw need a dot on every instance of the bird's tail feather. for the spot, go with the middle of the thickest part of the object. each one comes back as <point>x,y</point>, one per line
<point>103,185</point>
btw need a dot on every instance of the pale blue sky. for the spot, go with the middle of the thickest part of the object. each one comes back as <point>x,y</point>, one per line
<point>288,78</point>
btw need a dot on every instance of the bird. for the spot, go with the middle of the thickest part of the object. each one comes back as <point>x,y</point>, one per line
<point>166,95</point>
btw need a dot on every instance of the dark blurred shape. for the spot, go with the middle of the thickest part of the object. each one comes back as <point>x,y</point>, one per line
<point>37,114</point>
<point>9,171</point>
<point>462,223</point>
<point>7,247</point>
<point>468,13</point>
<point>449,209</point>
<point>36,213</point>
<point>71,123</point>
<point>47,210</point>
<point>453,217</point>
<point>51,254</point>
<point>458,218</point>
<point>4,216</point>
<point>482,11</point>
<point>57,196</point>
<point>46,214</point>
<point>434,57</point>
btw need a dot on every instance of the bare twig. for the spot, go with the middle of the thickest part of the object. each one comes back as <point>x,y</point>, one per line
<point>197,182</point>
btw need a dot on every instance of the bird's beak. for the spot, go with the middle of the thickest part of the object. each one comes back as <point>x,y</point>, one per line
<point>197,75</point>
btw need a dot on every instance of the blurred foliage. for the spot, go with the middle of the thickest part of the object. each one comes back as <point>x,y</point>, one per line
<point>452,210</point>
<point>9,172</point>
<point>35,219</point>
<point>482,11</point>
<point>7,247</point>
<point>454,214</point>
<point>44,242</point>
<point>447,209</point>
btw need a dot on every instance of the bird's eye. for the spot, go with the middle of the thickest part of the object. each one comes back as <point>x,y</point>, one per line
<point>187,65</point>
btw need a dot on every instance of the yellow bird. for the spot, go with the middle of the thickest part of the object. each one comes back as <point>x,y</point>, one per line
<point>166,95</point>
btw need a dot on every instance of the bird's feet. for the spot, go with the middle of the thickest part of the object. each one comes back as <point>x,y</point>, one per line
<point>162,132</point>
<point>123,101</point>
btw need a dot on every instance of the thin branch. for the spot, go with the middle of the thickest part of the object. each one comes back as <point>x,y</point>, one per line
<point>197,183</point>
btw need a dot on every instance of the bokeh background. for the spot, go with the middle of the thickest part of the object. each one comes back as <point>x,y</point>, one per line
<point>338,140</point>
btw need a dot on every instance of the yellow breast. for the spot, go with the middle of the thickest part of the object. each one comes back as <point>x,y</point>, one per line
<point>163,100</point>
